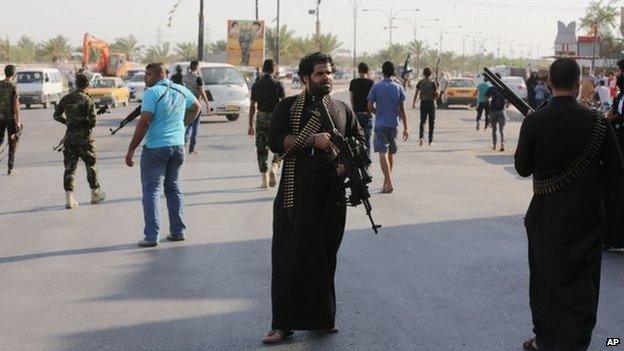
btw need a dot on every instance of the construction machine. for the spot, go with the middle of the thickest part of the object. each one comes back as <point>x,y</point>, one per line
<point>108,64</point>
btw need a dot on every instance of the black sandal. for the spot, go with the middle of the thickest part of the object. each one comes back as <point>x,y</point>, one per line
<point>530,345</point>
<point>281,336</point>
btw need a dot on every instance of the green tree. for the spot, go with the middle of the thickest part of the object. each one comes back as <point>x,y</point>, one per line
<point>417,48</point>
<point>285,38</point>
<point>56,49</point>
<point>24,50</point>
<point>186,51</point>
<point>158,53</point>
<point>395,53</point>
<point>129,46</point>
<point>600,18</point>
<point>5,49</point>
<point>219,46</point>
<point>327,43</point>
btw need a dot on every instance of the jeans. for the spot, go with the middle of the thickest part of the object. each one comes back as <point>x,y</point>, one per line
<point>497,118</point>
<point>191,131</point>
<point>427,111</point>
<point>483,106</point>
<point>158,166</point>
<point>366,121</point>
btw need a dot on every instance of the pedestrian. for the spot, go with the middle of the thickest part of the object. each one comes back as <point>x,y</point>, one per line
<point>498,104</point>
<point>177,78</point>
<point>266,93</point>
<point>193,81</point>
<point>542,94</point>
<point>570,151</point>
<point>443,81</point>
<point>614,191</point>
<point>386,100</point>
<point>428,91</point>
<point>309,212</point>
<point>483,105</point>
<point>612,84</point>
<point>359,89</point>
<point>530,84</point>
<point>10,115</point>
<point>165,110</point>
<point>604,95</point>
<point>76,110</point>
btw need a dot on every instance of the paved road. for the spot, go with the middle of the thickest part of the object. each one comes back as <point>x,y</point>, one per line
<point>448,272</point>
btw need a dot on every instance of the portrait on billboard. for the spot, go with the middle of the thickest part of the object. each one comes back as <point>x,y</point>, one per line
<point>245,43</point>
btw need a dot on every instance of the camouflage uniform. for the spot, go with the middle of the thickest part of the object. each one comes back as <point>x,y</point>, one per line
<point>8,92</point>
<point>263,124</point>
<point>80,118</point>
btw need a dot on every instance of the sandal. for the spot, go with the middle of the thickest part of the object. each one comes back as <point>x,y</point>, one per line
<point>276,336</point>
<point>530,345</point>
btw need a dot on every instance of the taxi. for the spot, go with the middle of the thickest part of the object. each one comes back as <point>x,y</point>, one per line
<point>461,91</point>
<point>109,91</point>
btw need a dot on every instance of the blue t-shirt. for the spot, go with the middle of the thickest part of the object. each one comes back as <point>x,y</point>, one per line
<point>167,125</point>
<point>387,96</point>
<point>482,88</point>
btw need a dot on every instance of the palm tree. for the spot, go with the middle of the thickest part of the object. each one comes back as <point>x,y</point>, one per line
<point>394,53</point>
<point>5,49</point>
<point>219,46</point>
<point>299,47</point>
<point>600,19</point>
<point>128,46</point>
<point>55,49</point>
<point>186,51</point>
<point>327,43</point>
<point>158,53</point>
<point>285,39</point>
<point>417,48</point>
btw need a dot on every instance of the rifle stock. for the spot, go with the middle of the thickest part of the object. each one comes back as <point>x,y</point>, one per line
<point>513,99</point>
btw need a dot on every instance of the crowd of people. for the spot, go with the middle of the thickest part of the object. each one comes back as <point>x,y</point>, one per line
<point>573,153</point>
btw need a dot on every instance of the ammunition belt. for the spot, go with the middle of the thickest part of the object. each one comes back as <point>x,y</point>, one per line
<point>578,166</point>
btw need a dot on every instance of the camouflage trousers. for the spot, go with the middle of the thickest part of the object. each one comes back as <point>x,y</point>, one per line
<point>263,123</point>
<point>72,154</point>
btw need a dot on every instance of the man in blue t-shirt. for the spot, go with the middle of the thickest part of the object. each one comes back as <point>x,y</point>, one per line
<point>386,100</point>
<point>165,111</point>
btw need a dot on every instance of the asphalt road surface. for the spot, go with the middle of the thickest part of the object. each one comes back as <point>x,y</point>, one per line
<point>447,272</point>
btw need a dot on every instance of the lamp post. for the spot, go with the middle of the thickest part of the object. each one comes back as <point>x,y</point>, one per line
<point>318,22</point>
<point>200,37</point>
<point>355,4</point>
<point>277,36</point>
<point>466,35</point>
<point>390,16</point>
<point>415,24</point>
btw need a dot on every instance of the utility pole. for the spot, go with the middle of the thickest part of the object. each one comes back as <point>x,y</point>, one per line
<point>256,10</point>
<point>593,65</point>
<point>355,4</point>
<point>200,39</point>
<point>277,37</point>
<point>318,19</point>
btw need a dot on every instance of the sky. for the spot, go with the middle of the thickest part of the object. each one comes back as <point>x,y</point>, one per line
<point>517,27</point>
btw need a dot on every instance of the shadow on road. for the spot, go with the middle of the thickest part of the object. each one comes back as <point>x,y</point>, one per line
<point>463,283</point>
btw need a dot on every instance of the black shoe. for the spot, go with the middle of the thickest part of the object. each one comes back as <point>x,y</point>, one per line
<point>145,243</point>
<point>176,238</point>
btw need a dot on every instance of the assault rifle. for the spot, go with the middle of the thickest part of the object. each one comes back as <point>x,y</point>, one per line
<point>352,157</point>
<point>12,137</point>
<point>406,71</point>
<point>509,95</point>
<point>131,117</point>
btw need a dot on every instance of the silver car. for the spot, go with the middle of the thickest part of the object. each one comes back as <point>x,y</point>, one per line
<point>517,85</point>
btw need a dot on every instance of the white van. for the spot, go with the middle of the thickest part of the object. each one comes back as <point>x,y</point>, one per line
<point>225,86</point>
<point>39,86</point>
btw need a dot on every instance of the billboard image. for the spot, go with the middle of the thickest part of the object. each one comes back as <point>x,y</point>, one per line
<point>245,43</point>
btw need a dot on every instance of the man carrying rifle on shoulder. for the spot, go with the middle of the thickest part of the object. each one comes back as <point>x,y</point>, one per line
<point>9,114</point>
<point>498,104</point>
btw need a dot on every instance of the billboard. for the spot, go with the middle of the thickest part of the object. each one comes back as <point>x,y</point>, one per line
<point>245,43</point>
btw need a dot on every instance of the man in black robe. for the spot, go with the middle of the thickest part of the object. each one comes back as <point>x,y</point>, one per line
<point>614,190</point>
<point>309,210</point>
<point>571,152</point>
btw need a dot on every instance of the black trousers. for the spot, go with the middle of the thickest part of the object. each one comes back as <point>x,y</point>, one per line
<point>483,107</point>
<point>9,126</point>
<point>427,112</point>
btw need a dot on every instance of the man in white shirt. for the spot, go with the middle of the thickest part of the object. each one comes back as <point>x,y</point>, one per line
<point>605,96</point>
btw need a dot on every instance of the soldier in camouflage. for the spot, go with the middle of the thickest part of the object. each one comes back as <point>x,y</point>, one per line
<point>80,119</point>
<point>9,114</point>
<point>266,93</point>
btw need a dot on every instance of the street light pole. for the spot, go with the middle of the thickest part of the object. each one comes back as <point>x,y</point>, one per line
<point>355,4</point>
<point>256,10</point>
<point>200,39</point>
<point>390,17</point>
<point>277,37</point>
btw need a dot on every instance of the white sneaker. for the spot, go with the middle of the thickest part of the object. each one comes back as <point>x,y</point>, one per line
<point>70,202</point>
<point>97,196</point>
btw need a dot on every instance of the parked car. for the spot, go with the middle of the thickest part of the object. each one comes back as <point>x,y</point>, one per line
<point>109,91</point>
<point>39,86</point>
<point>226,89</point>
<point>92,76</point>
<point>131,73</point>
<point>517,85</point>
<point>136,84</point>
<point>461,91</point>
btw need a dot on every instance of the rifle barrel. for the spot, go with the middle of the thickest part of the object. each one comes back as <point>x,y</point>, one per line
<point>518,103</point>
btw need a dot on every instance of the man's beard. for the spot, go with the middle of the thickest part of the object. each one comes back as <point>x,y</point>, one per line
<point>319,89</point>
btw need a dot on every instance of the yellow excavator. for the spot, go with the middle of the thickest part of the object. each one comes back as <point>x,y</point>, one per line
<point>109,64</point>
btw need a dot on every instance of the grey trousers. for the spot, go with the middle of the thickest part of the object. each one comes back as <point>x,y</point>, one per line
<point>497,121</point>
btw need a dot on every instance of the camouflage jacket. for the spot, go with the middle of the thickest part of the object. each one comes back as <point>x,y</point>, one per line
<point>80,117</point>
<point>7,94</point>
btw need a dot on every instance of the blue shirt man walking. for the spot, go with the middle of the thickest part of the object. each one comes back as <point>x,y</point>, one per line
<point>386,101</point>
<point>165,110</point>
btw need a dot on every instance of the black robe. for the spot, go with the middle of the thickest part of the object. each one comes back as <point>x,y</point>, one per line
<point>614,190</point>
<point>307,236</point>
<point>565,228</point>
